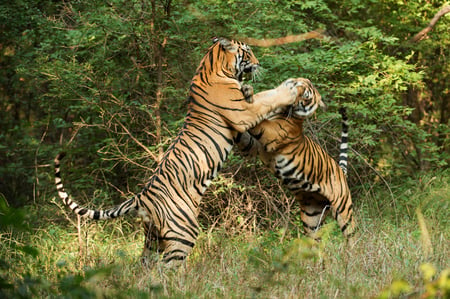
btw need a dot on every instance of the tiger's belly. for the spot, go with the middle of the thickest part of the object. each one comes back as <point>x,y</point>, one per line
<point>291,172</point>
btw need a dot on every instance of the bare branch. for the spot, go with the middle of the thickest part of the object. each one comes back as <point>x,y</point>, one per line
<point>138,142</point>
<point>317,34</point>
<point>421,35</point>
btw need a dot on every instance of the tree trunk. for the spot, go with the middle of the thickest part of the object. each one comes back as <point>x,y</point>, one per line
<point>159,50</point>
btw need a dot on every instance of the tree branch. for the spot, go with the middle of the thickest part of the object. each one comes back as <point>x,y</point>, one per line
<point>317,34</point>
<point>421,35</point>
<point>138,142</point>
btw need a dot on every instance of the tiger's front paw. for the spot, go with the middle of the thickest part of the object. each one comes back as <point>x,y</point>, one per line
<point>247,91</point>
<point>291,85</point>
<point>297,87</point>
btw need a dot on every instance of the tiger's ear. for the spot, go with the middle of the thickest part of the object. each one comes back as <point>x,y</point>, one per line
<point>227,44</point>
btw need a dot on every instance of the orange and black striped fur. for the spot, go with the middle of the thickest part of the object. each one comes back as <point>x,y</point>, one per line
<point>316,180</point>
<point>217,111</point>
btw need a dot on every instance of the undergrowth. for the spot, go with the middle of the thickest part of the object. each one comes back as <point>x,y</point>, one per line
<point>402,250</point>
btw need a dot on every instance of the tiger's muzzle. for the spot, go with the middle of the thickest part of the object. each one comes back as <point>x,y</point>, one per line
<point>249,72</point>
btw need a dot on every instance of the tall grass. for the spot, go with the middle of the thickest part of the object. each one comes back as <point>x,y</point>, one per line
<point>398,247</point>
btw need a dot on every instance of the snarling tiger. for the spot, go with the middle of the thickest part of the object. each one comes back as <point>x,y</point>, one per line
<point>217,112</point>
<point>316,180</point>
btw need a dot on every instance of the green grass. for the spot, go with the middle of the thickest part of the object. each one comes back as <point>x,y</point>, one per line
<point>388,258</point>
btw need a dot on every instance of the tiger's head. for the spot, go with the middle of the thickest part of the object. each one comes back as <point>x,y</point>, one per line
<point>235,58</point>
<point>309,100</point>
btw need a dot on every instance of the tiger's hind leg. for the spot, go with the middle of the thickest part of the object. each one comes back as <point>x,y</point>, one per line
<point>150,253</point>
<point>314,210</point>
<point>170,236</point>
<point>172,251</point>
<point>342,211</point>
<point>176,243</point>
<point>176,249</point>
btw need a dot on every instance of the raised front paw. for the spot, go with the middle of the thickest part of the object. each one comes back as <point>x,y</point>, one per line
<point>247,90</point>
<point>292,85</point>
<point>297,88</point>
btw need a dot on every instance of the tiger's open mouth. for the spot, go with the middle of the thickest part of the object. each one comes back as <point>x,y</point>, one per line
<point>296,111</point>
<point>300,110</point>
<point>248,73</point>
<point>304,110</point>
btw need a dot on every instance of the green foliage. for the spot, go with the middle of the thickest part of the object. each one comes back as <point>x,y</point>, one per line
<point>107,82</point>
<point>436,286</point>
<point>88,75</point>
<point>22,267</point>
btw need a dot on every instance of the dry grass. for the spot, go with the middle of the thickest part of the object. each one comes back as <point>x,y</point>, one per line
<point>235,257</point>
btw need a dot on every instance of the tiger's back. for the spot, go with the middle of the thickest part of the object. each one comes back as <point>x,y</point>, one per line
<point>317,181</point>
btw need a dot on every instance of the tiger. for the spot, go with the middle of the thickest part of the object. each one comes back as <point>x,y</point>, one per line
<point>318,182</point>
<point>217,111</point>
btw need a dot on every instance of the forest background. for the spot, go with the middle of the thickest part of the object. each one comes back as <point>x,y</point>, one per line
<point>107,82</point>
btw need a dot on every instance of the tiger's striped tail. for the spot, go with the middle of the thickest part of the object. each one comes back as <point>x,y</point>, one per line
<point>343,156</point>
<point>119,210</point>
